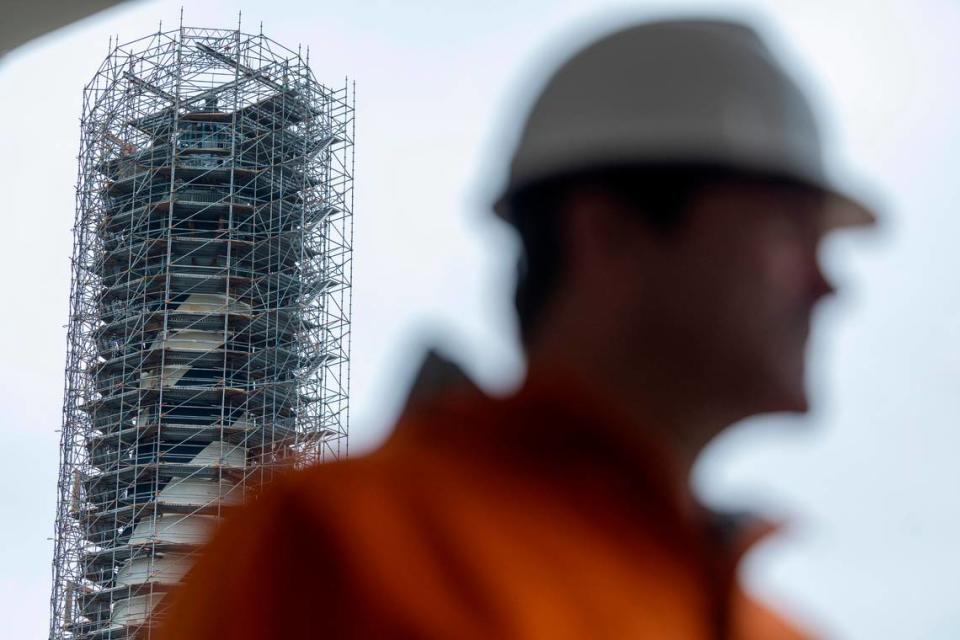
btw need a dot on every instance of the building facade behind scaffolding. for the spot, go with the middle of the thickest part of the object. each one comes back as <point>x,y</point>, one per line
<point>208,342</point>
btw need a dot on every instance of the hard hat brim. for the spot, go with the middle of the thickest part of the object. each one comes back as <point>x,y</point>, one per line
<point>843,211</point>
<point>840,210</point>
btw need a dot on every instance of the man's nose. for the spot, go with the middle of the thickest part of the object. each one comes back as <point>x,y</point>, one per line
<point>820,286</point>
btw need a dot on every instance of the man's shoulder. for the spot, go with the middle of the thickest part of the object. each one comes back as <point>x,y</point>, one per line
<point>390,482</point>
<point>382,466</point>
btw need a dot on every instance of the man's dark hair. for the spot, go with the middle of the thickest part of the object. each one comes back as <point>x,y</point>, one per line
<point>659,195</point>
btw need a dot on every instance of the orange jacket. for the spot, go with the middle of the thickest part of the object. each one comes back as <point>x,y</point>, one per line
<point>538,516</point>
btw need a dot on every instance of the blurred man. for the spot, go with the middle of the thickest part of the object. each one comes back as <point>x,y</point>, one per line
<point>669,192</point>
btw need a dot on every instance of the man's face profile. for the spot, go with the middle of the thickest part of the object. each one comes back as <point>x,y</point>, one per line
<point>727,296</point>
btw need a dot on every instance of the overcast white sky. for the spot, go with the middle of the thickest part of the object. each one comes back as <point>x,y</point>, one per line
<point>870,479</point>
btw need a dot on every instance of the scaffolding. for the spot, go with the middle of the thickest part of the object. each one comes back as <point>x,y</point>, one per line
<point>208,341</point>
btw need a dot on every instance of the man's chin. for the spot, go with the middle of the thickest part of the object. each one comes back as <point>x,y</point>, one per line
<point>801,405</point>
<point>788,391</point>
<point>783,400</point>
<point>791,401</point>
<point>796,407</point>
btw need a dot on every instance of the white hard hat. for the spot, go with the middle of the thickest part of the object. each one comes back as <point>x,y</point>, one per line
<point>677,92</point>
